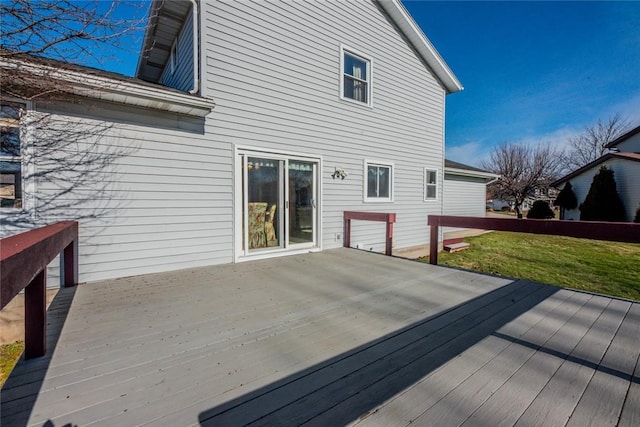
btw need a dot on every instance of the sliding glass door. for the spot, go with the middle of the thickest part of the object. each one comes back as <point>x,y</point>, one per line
<point>302,202</point>
<point>279,203</point>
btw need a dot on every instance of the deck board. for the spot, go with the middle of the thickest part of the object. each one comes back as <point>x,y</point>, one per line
<point>330,338</point>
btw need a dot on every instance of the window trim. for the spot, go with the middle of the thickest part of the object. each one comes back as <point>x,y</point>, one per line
<point>426,185</point>
<point>354,52</point>
<point>25,150</point>
<point>365,184</point>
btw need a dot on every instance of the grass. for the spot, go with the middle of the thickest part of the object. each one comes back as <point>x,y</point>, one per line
<point>9,355</point>
<point>596,266</point>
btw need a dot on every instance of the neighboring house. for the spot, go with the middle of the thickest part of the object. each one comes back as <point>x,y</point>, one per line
<point>277,118</point>
<point>545,194</point>
<point>465,190</point>
<point>624,160</point>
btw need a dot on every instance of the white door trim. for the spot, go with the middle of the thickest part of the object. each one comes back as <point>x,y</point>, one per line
<point>239,216</point>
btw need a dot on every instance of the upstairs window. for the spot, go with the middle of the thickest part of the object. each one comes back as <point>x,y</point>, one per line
<point>10,155</point>
<point>355,77</point>
<point>430,184</point>
<point>378,182</point>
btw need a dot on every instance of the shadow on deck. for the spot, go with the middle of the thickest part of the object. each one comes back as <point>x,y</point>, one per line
<point>349,386</point>
<point>330,338</point>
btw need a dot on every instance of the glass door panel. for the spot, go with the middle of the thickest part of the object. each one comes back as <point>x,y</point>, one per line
<point>264,202</point>
<point>302,203</point>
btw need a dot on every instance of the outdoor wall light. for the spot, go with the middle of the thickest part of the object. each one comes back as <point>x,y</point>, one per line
<point>339,173</point>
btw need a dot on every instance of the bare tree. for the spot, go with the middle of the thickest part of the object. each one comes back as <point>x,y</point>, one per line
<point>522,170</point>
<point>68,30</point>
<point>590,145</point>
<point>41,44</point>
<point>89,33</point>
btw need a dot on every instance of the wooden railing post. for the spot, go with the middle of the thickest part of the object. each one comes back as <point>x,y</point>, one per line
<point>69,265</point>
<point>346,238</point>
<point>35,316</point>
<point>23,265</point>
<point>391,218</point>
<point>433,244</point>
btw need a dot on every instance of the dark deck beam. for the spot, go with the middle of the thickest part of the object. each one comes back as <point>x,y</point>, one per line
<point>23,265</point>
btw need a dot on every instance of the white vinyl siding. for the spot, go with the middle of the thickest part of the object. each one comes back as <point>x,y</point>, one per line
<point>630,145</point>
<point>464,196</point>
<point>181,76</point>
<point>160,201</point>
<point>165,199</point>
<point>272,70</point>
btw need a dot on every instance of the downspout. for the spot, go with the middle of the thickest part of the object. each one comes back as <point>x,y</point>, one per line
<point>196,57</point>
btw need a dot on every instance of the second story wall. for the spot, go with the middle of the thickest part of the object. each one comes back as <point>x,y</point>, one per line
<point>180,74</point>
<point>274,70</point>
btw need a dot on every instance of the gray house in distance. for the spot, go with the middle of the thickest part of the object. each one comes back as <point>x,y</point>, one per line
<point>250,128</point>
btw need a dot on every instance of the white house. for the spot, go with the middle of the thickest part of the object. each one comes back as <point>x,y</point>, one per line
<point>624,160</point>
<point>251,128</point>
<point>465,190</point>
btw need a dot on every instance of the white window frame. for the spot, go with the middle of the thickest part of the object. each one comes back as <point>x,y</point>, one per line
<point>353,52</point>
<point>24,146</point>
<point>427,185</point>
<point>365,185</point>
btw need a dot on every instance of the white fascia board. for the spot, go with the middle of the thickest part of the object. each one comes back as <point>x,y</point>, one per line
<point>124,92</point>
<point>396,10</point>
<point>470,173</point>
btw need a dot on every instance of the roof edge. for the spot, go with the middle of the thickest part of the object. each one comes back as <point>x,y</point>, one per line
<point>590,165</point>
<point>421,43</point>
<point>475,174</point>
<point>623,137</point>
<point>123,92</point>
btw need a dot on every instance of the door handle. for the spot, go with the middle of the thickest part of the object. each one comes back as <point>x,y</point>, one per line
<point>313,203</point>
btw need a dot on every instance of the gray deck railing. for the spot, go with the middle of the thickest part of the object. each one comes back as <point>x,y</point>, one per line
<point>23,265</point>
<point>612,231</point>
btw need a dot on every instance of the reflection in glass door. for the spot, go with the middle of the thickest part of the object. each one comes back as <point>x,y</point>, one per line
<point>302,202</point>
<point>264,202</point>
<point>278,202</point>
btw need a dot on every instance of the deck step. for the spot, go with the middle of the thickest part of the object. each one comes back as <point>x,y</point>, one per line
<point>455,247</point>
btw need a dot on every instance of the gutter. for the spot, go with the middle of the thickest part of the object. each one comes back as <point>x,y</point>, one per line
<point>196,57</point>
<point>492,177</point>
<point>123,92</point>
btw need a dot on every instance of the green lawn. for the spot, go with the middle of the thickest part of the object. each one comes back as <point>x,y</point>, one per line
<point>597,266</point>
<point>9,355</point>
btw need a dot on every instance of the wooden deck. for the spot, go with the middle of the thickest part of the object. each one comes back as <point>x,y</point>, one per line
<point>332,338</point>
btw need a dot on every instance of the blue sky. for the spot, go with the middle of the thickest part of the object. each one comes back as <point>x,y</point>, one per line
<point>533,71</point>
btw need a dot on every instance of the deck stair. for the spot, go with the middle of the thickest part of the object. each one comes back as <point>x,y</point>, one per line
<point>455,245</point>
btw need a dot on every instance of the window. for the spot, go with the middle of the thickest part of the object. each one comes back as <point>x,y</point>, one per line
<point>355,77</point>
<point>430,184</point>
<point>10,155</point>
<point>378,182</point>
